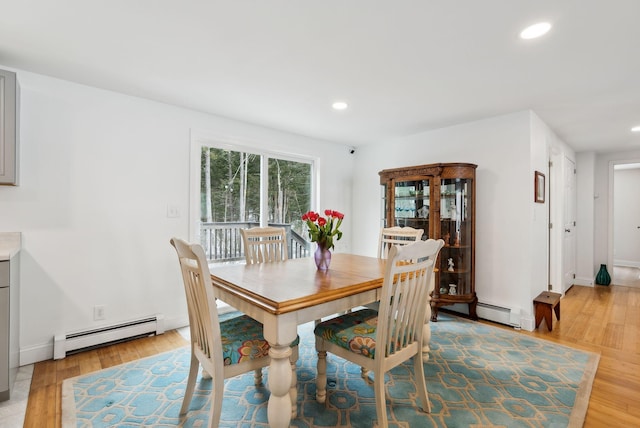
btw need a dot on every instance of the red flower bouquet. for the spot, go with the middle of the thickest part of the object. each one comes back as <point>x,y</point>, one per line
<point>323,229</point>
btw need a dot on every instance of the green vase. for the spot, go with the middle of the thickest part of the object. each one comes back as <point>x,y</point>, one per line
<point>603,277</point>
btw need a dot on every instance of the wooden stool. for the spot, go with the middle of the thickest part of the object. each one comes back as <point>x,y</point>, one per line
<point>543,304</point>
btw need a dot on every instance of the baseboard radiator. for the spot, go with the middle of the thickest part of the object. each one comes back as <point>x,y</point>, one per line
<point>498,314</point>
<point>72,343</point>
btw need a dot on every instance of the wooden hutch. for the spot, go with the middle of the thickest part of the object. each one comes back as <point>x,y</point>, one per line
<point>439,198</point>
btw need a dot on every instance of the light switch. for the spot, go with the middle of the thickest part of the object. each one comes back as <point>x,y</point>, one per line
<point>173,211</point>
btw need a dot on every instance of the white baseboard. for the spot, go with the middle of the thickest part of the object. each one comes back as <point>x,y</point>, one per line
<point>627,263</point>
<point>37,353</point>
<point>587,282</point>
<point>527,323</point>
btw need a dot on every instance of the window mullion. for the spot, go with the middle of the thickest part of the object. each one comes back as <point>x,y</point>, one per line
<point>264,191</point>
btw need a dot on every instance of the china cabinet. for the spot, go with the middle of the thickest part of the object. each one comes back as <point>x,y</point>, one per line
<point>440,199</point>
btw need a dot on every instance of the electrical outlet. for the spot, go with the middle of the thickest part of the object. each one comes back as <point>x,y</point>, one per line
<point>98,312</point>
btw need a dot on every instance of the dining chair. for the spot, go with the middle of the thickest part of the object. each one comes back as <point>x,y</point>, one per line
<point>264,244</point>
<point>267,245</point>
<point>381,340</point>
<point>390,236</point>
<point>224,349</point>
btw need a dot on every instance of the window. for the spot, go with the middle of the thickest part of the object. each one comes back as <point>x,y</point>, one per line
<point>241,188</point>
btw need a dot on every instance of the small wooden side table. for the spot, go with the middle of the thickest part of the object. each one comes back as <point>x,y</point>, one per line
<point>544,304</point>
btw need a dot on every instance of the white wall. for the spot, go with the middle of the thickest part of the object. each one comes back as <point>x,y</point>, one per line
<point>510,244</point>
<point>585,251</point>
<point>626,217</point>
<point>545,147</point>
<point>98,170</point>
<point>603,204</point>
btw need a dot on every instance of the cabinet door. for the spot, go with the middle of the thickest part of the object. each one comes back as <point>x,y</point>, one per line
<point>8,128</point>
<point>411,204</point>
<point>456,217</point>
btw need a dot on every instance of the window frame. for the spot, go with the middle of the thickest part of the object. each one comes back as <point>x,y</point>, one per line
<point>201,139</point>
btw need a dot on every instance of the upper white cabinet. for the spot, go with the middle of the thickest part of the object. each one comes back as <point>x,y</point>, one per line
<point>8,128</point>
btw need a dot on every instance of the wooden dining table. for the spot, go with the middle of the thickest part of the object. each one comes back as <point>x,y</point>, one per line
<point>283,295</point>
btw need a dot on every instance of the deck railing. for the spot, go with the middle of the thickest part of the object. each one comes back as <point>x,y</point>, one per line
<point>222,241</point>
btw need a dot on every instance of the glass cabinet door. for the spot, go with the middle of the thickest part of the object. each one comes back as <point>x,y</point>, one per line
<point>412,202</point>
<point>456,257</point>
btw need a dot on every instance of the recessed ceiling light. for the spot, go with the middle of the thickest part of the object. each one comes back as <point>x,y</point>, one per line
<point>635,129</point>
<point>339,105</point>
<point>535,30</point>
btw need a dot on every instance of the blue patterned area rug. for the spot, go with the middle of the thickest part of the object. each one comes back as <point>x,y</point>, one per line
<point>477,376</point>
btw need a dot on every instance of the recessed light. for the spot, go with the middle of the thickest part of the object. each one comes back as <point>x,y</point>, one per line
<point>535,30</point>
<point>339,105</point>
<point>635,129</point>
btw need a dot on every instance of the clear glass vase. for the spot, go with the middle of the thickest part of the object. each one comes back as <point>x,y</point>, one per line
<point>322,257</point>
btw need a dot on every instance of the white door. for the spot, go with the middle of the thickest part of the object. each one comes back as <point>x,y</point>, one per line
<point>626,217</point>
<point>569,224</point>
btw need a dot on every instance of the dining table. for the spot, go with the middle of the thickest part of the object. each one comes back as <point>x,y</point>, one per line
<point>283,295</point>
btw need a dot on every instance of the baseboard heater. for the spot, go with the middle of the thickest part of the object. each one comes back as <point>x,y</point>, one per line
<point>497,314</point>
<point>72,343</point>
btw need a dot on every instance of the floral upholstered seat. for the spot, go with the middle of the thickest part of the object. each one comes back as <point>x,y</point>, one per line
<point>242,340</point>
<point>354,331</point>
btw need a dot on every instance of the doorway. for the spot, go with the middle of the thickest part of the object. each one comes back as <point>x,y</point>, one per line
<point>569,225</point>
<point>625,224</point>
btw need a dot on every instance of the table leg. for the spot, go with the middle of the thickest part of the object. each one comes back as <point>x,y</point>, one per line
<point>426,331</point>
<point>279,408</point>
<point>426,338</point>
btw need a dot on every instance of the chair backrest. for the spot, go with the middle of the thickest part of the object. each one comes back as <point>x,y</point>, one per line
<point>265,244</point>
<point>203,314</point>
<point>405,296</point>
<point>390,236</point>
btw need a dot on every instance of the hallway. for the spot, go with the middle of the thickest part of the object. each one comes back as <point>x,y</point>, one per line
<point>627,276</point>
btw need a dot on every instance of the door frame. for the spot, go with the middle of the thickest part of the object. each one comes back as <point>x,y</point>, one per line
<point>555,242</point>
<point>610,242</point>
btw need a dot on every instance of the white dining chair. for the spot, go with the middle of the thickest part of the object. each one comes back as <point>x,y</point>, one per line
<point>381,340</point>
<point>224,349</point>
<point>390,236</point>
<point>267,245</point>
<point>264,244</point>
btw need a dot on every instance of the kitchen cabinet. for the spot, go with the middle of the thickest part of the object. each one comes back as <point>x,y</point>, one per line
<point>9,311</point>
<point>9,94</point>
<point>440,199</point>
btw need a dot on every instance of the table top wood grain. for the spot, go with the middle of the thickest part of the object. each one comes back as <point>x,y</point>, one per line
<point>295,284</point>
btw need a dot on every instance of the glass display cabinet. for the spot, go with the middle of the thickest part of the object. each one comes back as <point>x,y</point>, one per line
<point>440,199</point>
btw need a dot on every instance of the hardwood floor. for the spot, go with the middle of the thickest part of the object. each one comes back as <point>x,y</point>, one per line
<point>45,398</point>
<point>600,319</point>
<point>605,320</point>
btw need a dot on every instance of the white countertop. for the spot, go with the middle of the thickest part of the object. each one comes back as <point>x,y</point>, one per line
<point>10,244</point>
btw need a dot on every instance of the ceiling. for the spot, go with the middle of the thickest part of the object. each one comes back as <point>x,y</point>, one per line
<point>404,67</point>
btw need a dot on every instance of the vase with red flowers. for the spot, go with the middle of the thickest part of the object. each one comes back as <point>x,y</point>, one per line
<point>322,231</point>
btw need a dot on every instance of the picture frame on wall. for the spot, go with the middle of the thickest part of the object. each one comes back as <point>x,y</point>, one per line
<point>538,187</point>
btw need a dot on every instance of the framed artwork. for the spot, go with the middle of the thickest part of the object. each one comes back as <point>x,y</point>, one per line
<point>538,187</point>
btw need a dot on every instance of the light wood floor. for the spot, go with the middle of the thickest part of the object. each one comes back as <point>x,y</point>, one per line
<point>600,319</point>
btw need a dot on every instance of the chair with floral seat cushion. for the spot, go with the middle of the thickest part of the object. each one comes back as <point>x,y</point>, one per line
<point>224,349</point>
<point>269,245</point>
<point>381,340</point>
